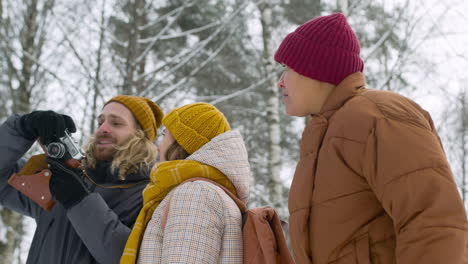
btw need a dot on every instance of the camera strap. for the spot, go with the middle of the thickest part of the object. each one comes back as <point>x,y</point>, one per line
<point>122,186</point>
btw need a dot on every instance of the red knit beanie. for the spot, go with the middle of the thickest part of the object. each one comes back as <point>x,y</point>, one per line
<point>324,49</point>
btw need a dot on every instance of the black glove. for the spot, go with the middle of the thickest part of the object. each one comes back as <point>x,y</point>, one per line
<point>66,185</point>
<point>47,125</point>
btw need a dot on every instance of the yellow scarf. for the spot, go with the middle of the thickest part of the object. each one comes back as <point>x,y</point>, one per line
<point>165,176</point>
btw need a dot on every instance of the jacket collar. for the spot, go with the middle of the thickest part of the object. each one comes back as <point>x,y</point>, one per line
<point>344,91</point>
<point>227,153</point>
<point>104,174</point>
<point>316,127</point>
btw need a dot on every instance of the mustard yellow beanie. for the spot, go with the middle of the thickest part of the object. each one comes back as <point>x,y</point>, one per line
<point>196,124</point>
<point>148,114</point>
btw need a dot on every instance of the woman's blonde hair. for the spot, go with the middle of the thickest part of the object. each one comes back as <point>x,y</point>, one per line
<point>138,153</point>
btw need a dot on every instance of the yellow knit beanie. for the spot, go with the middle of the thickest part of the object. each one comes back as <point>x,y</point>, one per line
<point>146,112</point>
<point>196,124</point>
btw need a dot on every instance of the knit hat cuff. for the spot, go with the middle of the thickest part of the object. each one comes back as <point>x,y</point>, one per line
<point>180,133</point>
<point>317,61</point>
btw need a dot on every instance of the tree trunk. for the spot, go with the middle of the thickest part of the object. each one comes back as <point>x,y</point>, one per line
<point>135,68</point>
<point>141,20</point>
<point>274,184</point>
<point>342,6</point>
<point>14,223</point>
<point>97,82</point>
<point>28,48</point>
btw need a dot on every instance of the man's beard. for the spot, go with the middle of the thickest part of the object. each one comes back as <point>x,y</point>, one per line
<point>104,153</point>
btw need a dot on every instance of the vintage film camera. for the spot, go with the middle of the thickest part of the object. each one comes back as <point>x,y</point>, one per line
<point>66,148</point>
<point>33,179</point>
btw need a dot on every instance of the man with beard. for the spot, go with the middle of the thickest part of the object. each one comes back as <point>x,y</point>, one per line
<point>92,219</point>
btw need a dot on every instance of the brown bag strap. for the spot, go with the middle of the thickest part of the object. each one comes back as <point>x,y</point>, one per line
<point>239,203</point>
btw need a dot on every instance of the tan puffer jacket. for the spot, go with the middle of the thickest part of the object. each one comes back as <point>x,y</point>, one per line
<point>373,184</point>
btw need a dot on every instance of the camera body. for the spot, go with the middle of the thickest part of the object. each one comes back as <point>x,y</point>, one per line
<point>66,148</point>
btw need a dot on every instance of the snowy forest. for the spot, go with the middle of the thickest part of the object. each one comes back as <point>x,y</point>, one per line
<point>72,56</point>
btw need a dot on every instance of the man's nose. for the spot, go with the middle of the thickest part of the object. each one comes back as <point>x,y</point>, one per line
<point>104,128</point>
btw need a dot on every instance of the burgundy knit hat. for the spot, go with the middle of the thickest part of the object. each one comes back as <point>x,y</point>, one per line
<point>324,49</point>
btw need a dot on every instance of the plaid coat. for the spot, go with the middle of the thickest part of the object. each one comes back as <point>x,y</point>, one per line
<point>204,223</point>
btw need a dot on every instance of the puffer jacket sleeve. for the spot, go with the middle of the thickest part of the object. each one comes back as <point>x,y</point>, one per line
<point>100,228</point>
<point>194,227</point>
<point>12,148</point>
<point>406,167</point>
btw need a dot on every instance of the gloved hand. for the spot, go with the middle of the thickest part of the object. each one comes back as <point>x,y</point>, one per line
<point>47,125</point>
<point>66,185</point>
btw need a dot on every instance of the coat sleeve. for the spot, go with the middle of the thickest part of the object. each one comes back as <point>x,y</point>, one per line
<point>195,225</point>
<point>100,228</point>
<point>12,148</point>
<point>406,167</point>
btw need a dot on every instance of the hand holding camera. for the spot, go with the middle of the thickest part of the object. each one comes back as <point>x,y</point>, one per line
<point>53,130</point>
<point>63,155</point>
<point>63,158</point>
<point>66,185</point>
<point>49,126</point>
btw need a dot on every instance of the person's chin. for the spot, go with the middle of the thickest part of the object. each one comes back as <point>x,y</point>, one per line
<point>294,112</point>
<point>104,154</point>
<point>290,110</point>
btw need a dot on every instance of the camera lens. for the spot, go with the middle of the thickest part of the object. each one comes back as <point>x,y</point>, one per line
<point>56,150</point>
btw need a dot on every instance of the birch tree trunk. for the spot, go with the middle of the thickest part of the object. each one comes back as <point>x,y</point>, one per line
<point>274,184</point>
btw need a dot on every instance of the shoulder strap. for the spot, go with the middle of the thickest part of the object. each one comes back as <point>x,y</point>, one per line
<point>239,203</point>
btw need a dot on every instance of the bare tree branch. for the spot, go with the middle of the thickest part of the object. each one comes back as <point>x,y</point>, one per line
<point>404,54</point>
<point>385,36</point>
<point>248,89</point>
<point>198,48</point>
<point>181,34</point>
<point>77,54</point>
<point>165,16</point>
<point>171,89</point>
<point>157,37</point>
<point>448,42</point>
